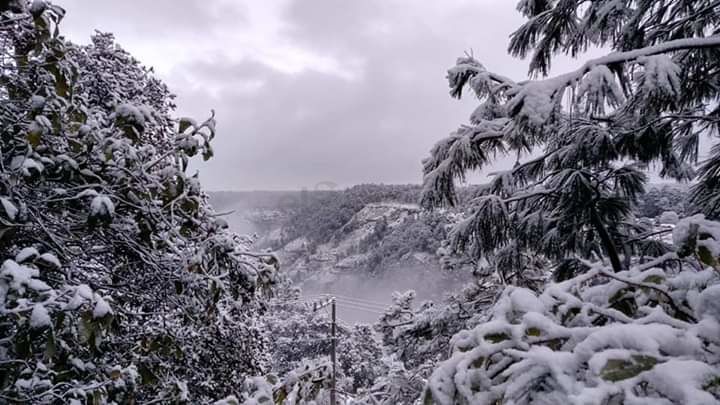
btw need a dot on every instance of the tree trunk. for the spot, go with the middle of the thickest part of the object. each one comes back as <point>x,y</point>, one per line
<point>607,241</point>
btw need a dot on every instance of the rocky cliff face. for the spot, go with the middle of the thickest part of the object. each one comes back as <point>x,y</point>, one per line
<point>353,247</point>
<point>335,243</point>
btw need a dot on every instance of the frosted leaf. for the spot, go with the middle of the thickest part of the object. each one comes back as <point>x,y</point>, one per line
<point>16,162</point>
<point>84,130</point>
<point>78,363</point>
<point>186,123</point>
<point>37,7</point>
<point>10,209</point>
<point>83,294</point>
<point>21,277</point>
<point>697,235</point>
<point>43,121</point>
<point>30,166</point>
<point>37,102</point>
<point>130,114</point>
<point>231,400</point>
<point>102,308</point>
<point>183,393</point>
<point>67,160</point>
<point>50,259</point>
<point>87,193</point>
<point>131,373</point>
<point>27,254</point>
<point>35,128</point>
<point>40,318</point>
<point>101,205</point>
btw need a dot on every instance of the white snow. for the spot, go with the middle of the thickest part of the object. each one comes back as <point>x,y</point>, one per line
<point>87,193</point>
<point>83,294</point>
<point>130,113</point>
<point>29,165</point>
<point>682,381</point>
<point>21,277</point>
<point>707,233</point>
<point>10,209</point>
<point>51,259</point>
<point>102,205</point>
<point>40,318</point>
<point>27,254</point>
<point>598,87</point>
<point>102,308</point>
<point>523,300</point>
<point>661,75</point>
<point>37,102</point>
<point>231,400</point>
<point>585,365</point>
<point>708,302</point>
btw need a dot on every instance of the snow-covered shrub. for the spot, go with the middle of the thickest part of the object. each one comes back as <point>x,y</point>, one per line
<point>650,334</point>
<point>419,338</point>
<point>398,386</point>
<point>700,238</point>
<point>295,333</point>
<point>55,330</point>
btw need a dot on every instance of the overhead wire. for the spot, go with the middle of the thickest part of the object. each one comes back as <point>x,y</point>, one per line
<point>376,306</point>
<point>341,300</point>
<point>352,304</point>
<point>360,300</point>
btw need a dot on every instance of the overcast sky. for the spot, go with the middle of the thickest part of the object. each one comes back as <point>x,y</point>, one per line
<point>311,91</point>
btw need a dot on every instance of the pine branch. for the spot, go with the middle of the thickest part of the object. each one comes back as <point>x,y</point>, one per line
<point>635,54</point>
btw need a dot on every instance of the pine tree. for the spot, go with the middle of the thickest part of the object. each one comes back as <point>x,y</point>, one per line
<point>584,139</point>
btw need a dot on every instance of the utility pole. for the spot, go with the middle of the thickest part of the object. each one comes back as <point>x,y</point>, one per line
<point>332,353</point>
<point>315,307</point>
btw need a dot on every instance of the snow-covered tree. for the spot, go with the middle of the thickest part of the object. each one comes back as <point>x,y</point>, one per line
<point>297,333</point>
<point>419,338</point>
<point>583,139</point>
<point>649,334</point>
<point>119,282</point>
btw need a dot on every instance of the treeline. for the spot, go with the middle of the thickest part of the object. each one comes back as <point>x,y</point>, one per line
<point>318,215</point>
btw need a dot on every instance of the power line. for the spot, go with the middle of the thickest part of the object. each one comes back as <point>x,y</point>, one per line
<point>362,301</point>
<point>351,306</point>
<point>375,307</point>
<point>378,307</point>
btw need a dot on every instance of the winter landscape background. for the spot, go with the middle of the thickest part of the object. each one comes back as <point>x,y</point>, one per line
<point>546,233</point>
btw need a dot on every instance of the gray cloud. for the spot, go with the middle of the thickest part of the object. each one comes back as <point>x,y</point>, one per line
<point>150,20</point>
<point>341,91</point>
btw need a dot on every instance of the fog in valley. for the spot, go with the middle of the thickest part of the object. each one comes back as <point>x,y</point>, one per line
<point>362,295</point>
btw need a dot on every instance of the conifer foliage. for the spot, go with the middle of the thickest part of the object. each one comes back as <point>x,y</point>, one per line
<point>118,281</point>
<point>638,325</point>
<point>583,139</point>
